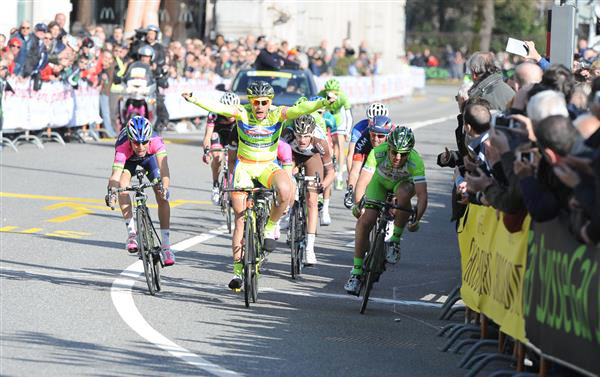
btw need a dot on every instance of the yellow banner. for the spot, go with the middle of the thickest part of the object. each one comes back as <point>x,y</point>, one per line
<point>493,267</point>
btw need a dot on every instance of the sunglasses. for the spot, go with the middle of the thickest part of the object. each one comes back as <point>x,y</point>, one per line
<point>263,102</point>
<point>17,46</point>
<point>25,27</point>
<point>141,142</point>
<point>402,154</point>
<point>378,136</point>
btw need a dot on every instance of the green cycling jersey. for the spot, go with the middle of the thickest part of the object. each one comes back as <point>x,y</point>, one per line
<point>380,165</point>
<point>258,139</point>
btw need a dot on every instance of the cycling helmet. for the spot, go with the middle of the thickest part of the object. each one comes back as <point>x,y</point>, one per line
<point>146,50</point>
<point>380,125</point>
<point>376,109</point>
<point>304,125</point>
<point>300,100</point>
<point>401,139</point>
<point>332,84</point>
<point>139,129</point>
<point>260,89</point>
<point>230,98</point>
<point>316,98</point>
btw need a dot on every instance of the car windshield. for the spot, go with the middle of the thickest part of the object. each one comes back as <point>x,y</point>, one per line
<point>282,82</point>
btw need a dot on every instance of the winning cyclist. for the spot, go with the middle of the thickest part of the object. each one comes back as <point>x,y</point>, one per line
<point>379,128</point>
<point>259,125</point>
<point>314,153</point>
<point>218,135</point>
<point>393,166</point>
<point>343,121</point>
<point>137,145</point>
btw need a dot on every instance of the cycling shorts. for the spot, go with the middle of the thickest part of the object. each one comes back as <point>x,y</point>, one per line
<point>378,189</point>
<point>246,172</point>
<point>220,138</point>
<point>149,163</point>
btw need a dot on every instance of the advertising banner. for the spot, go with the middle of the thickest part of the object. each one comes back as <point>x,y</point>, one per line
<point>562,296</point>
<point>493,268</point>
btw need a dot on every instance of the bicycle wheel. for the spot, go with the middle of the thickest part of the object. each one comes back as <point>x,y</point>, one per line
<point>145,248</point>
<point>293,241</point>
<point>153,242</point>
<point>248,260</point>
<point>373,268</point>
<point>255,268</point>
<point>225,202</point>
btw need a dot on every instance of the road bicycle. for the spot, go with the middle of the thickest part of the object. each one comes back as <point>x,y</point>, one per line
<point>374,262</point>
<point>149,246</point>
<point>298,221</point>
<point>224,184</point>
<point>256,214</point>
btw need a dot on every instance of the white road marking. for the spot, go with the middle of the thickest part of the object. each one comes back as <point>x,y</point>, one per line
<point>428,297</point>
<point>349,244</point>
<point>123,301</point>
<point>349,297</point>
<point>442,299</point>
<point>424,123</point>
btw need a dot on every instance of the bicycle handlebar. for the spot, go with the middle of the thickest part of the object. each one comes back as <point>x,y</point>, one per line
<point>251,190</point>
<point>138,188</point>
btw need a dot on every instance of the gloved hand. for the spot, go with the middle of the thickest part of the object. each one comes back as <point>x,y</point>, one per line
<point>349,198</point>
<point>356,210</point>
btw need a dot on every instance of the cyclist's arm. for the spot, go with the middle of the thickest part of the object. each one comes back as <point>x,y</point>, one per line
<point>216,107</point>
<point>327,160</point>
<point>115,177</point>
<point>163,165</point>
<point>306,107</point>
<point>348,122</point>
<point>421,193</point>
<point>361,185</point>
<point>354,173</point>
<point>350,156</point>
<point>210,126</point>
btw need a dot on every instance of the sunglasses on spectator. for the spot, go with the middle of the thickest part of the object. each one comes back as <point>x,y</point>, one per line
<point>141,142</point>
<point>25,27</point>
<point>263,102</point>
<point>15,46</point>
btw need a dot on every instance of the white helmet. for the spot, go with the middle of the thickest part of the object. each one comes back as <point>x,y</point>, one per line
<point>230,98</point>
<point>377,109</point>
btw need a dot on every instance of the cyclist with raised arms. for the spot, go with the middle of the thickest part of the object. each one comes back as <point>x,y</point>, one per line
<point>314,153</point>
<point>138,144</point>
<point>379,128</point>
<point>259,126</point>
<point>340,109</point>
<point>360,128</point>
<point>396,167</point>
<point>218,135</point>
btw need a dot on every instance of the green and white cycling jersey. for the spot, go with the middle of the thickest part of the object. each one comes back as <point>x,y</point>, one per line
<point>380,165</point>
<point>338,109</point>
<point>258,138</point>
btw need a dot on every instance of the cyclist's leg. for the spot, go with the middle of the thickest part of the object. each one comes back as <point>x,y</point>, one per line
<point>242,179</point>
<point>314,166</point>
<point>403,192</point>
<point>126,209</point>
<point>273,176</point>
<point>375,194</point>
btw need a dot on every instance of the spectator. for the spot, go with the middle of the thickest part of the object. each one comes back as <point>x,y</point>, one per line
<point>24,35</point>
<point>56,45</point>
<point>37,57</point>
<point>14,46</point>
<point>488,82</point>
<point>106,80</point>
<point>268,59</point>
<point>61,20</point>
<point>116,37</point>
<point>167,36</point>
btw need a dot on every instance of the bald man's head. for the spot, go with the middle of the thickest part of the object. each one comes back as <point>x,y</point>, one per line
<point>528,73</point>
<point>477,117</point>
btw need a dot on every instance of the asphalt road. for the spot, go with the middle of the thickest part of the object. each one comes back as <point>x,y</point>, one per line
<point>72,301</point>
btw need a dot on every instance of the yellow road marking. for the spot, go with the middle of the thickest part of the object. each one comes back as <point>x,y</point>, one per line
<point>79,211</point>
<point>67,234</point>
<point>30,230</point>
<point>174,203</point>
<point>8,228</point>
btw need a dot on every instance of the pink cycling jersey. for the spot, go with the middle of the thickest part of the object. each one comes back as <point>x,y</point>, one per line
<point>284,153</point>
<point>124,151</point>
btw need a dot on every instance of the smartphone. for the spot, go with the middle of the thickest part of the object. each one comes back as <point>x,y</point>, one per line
<point>525,156</point>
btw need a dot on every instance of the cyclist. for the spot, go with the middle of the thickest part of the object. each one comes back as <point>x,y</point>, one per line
<point>138,144</point>
<point>340,109</point>
<point>218,135</point>
<point>259,126</point>
<point>393,166</point>
<point>379,127</point>
<point>314,153</point>
<point>374,109</point>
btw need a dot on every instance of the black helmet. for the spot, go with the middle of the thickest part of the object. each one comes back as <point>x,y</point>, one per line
<point>304,125</point>
<point>260,89</point>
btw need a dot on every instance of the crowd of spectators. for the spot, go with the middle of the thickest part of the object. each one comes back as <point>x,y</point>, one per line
<point>47,52</point>
<point>529,145</point>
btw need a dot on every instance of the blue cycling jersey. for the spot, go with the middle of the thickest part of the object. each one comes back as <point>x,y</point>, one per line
<point>358,130</point>
<point>329,121</point>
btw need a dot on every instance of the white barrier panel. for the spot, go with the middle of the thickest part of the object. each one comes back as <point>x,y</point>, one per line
<point>178,108</point>
<point>54,105</point>
<point>362,90</point>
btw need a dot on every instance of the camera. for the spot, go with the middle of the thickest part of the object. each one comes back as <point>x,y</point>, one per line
<point>500,120</point>
<point>525,156</point>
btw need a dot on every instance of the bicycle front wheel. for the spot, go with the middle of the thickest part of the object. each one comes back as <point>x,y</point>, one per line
<point>249,258</point>
<point>293,241</point>
<point>374,268</point>
<point>145,246</point>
